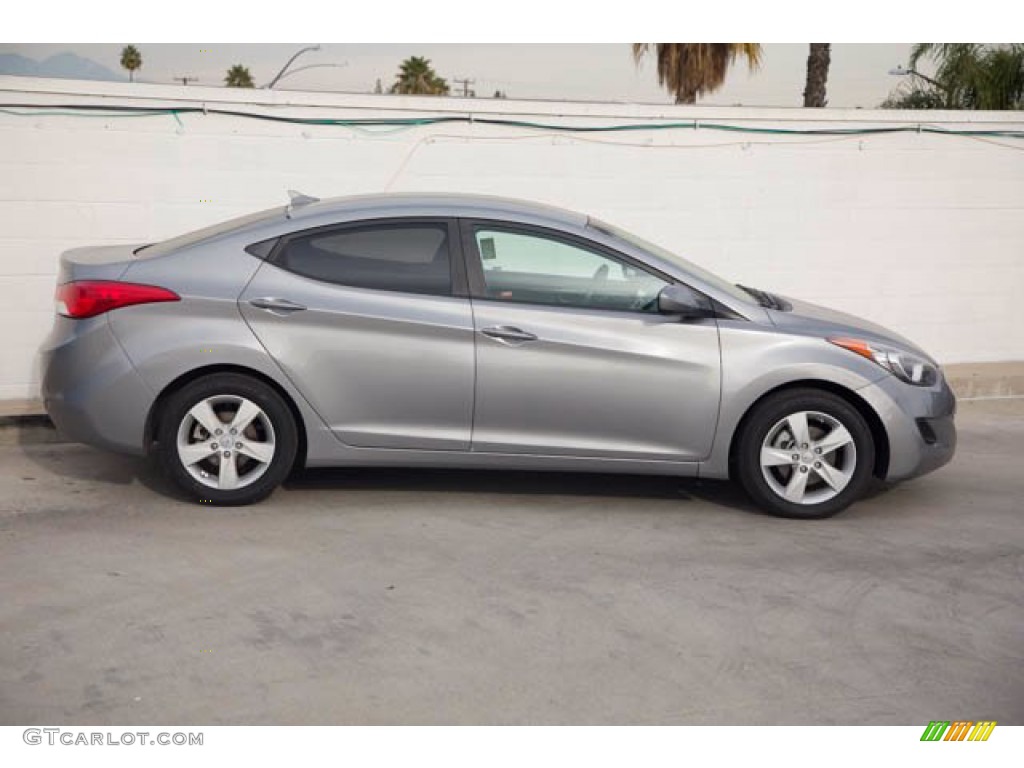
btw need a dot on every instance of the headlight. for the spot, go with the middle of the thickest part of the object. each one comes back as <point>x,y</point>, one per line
<point>904,365</point>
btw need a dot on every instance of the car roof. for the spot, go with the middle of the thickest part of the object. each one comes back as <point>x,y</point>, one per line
<point>436,203</point>
<point>307,213</point>
<point>310,212</point>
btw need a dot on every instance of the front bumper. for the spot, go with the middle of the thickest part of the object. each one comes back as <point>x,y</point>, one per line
<point>90,389</point>
<point>919,422</point>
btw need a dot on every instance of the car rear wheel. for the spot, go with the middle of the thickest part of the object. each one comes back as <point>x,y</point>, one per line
<point>805,453</point>
<point>227,439</point>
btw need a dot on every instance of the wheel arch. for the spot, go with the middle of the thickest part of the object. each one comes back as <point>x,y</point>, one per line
<point>152,418</point>
<point>878,432</point>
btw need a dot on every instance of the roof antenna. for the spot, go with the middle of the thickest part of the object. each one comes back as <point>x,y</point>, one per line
<point>297,200</point>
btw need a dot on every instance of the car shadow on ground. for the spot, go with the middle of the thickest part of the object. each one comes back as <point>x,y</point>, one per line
<point>85,464</point>
<point>91,465</point>
<point>720,493</point>
<point>513,482</point>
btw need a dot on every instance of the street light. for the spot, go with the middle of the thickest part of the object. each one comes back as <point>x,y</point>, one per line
<point>288,63</point>
<point>308,66</point>
<point>901,72</point>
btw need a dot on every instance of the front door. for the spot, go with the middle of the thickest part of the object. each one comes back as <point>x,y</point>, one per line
<point>573,357</point>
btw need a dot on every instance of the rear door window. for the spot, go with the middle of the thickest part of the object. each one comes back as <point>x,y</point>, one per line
<point>409,257</point>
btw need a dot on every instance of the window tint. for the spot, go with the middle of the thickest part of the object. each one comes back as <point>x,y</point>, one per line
<point>412,258</point>
<point>262,249</point>
<point>535,269</point>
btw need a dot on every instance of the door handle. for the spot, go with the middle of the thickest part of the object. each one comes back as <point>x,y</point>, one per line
<point>277,306</point>
<point>508,333</point>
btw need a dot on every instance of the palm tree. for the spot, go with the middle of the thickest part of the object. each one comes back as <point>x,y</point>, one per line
<point>967,76</point>
<point>914,98</point>
<point>957,70</point>
<point>817,74</point>
<point>689,70</point>
<point>416,76</point>
<point>131,60</point>
<point>239,77</point>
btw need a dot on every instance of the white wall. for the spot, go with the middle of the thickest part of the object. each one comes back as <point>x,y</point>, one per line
<point>919,232</point>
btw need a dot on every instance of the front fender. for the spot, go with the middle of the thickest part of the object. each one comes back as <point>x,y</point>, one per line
<point>758,359</point>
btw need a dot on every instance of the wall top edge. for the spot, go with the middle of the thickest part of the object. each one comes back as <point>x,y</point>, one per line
<point>43,92</point>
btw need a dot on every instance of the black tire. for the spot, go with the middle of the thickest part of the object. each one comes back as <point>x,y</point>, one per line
<point>274,408</point>
<point>764,419</point>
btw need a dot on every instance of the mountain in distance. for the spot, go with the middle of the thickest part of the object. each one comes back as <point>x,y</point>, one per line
<point>66,65</point>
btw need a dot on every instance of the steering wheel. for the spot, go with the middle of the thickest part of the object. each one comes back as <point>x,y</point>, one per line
<point>600,278</point>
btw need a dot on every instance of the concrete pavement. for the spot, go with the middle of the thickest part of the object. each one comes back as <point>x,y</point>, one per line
<point>459,597</point>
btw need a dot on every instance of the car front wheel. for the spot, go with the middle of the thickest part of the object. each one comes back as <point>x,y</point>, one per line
<point>227,439</point>
<point>805,453</point>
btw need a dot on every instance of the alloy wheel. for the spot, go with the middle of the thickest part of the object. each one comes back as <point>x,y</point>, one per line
<point>226,442</point>
<point>808,457</point>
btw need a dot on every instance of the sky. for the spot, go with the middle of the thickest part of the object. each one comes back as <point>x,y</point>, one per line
<point>859,75</point>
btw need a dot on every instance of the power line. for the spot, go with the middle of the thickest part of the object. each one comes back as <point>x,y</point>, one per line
<point>101,110</point>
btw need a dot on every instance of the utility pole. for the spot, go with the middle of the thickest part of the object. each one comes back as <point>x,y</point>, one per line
<point>466,82</point>
<point>186,79</point>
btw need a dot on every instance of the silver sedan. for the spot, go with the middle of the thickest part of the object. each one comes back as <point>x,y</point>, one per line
<point>466,331</point>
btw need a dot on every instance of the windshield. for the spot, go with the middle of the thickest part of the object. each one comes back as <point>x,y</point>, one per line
<point>708,277</point>
<point>191,238</point>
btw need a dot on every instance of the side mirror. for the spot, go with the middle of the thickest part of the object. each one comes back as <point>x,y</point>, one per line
<point>683,301</point>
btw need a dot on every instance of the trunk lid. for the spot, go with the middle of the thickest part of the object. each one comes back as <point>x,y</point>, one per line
<point>101,262</point>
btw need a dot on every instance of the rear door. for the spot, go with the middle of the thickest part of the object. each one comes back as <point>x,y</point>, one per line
<point>573,357</point>
<point>372,323</point>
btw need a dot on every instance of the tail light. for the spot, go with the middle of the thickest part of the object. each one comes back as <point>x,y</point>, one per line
<point>86,298</point>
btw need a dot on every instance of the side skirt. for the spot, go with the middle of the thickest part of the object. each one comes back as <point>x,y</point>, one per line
<point>389,457</point>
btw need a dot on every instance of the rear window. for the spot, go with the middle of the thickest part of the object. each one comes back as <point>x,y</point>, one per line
<point>406,257</point>
<point>207,233</point>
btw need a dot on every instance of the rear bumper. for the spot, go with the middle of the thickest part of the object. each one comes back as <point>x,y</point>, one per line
<point>919,423</point>
<point>90,389</point>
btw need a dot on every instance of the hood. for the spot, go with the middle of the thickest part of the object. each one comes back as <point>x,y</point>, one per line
<point>811,319</point>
